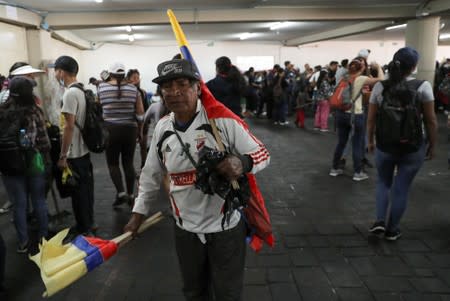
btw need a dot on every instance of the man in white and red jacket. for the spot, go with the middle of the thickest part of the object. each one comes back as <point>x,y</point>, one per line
<point>211,254</point>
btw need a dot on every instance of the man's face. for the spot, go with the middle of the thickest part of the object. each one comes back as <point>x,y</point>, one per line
<point>58,74</point>
<point>333,67</point>
<point>180,96</point>
<point>135,79</point>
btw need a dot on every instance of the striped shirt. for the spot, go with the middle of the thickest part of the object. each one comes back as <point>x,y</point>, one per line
<point>118,111</point>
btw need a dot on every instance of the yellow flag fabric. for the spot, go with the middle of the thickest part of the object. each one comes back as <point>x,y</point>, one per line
<point>62,264</point>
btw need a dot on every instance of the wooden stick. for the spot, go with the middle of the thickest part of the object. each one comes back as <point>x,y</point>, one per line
<point>121,240</point>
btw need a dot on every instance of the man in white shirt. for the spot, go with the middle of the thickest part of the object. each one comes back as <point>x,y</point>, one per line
<point>74,152</point>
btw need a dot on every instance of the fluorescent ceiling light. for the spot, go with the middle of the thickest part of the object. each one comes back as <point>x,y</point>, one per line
<point>131,37</point>
<point>396,27</point>
<point>279,25</point>
<point>246,35</point>
<point>99,1</point>
<point>128,28</point>
<point>444,36</point>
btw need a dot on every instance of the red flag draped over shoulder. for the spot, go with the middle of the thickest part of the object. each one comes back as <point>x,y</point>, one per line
<point>255,213</point>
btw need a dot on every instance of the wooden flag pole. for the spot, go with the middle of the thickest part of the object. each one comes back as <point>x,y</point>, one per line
<point>121,240</point>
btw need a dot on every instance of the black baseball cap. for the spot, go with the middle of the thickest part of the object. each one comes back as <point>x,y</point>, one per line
<point>66,63</point>
<point>176,68</point>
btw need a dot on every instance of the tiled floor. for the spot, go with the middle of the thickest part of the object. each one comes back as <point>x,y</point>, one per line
<point>322,253</point>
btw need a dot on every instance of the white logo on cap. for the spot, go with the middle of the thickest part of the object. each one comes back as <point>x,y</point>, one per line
<point>171,68</point>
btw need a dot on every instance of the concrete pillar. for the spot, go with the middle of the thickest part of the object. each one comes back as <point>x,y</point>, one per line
<point>37,44</point>
<point>423,35</point>
<point>34,45</point>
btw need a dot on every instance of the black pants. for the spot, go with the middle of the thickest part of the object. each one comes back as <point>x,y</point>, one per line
<point>217,265</point>
<point>121,145</point>
<point>2,262</point>
<point>83,197</point>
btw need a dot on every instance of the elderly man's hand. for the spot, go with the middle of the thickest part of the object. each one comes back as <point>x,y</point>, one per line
<point>231,168</point>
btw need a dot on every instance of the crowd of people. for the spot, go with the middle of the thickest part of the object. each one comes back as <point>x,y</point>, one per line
<point>170,148</point>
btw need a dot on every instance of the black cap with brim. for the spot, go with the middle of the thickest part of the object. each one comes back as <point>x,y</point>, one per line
<point>177,68</point>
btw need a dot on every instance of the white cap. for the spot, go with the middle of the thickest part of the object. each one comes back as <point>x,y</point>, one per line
<point>364,53</point>
<point>117,68</point>
<point>27,69</point>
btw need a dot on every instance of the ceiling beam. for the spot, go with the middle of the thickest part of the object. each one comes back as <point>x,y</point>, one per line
<point>71,39</point>
<point>19,16</point>
<point>434,7</point>
<point>338,32</point>
<point>261,14</point>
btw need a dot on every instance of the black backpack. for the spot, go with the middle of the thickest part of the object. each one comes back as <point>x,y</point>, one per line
<point>12,156</point>
<point>399,118</point>
<point>93,131</point>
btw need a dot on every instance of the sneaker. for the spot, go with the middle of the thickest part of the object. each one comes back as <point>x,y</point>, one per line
<point>316,129</point>
<point>276,122</point>
<point>334,172</point>
<point>6,207</point>
<point>284,123</point>
<point>120,199</point>
<point>360,176</point>
<point>378,228</point>
<point>392,235</point>
<point>324,130</point>
<point>22,248</point>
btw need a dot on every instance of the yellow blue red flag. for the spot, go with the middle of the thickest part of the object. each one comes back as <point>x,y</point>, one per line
<point>62,264</point>
<point>256,214</point>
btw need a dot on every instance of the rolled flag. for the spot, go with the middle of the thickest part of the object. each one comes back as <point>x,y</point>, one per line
<point>62,264</point>
<point>256,215</point>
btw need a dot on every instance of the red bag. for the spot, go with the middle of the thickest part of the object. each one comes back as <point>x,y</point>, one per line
<point>342,96</point>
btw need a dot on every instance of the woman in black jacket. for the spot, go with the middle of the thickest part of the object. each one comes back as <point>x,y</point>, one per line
<point>228,86</point>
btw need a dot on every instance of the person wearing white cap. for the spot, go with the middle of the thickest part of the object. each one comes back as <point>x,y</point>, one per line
<point>20,69</point>
<point>123,113</point>
<point>17,69</point>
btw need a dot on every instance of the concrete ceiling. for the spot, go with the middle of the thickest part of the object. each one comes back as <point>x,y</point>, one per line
<point>225,20</point>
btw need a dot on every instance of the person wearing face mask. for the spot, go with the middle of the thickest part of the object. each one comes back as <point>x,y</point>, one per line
<point>21,69</point>
<point>74,152</point>
<point>18,69</point>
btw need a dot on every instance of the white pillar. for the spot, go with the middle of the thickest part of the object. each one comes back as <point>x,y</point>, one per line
<point>423,35</point>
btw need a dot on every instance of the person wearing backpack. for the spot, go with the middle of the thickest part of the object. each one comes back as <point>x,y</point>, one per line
<point>134,78</point>
<point>324,91</point>
<point>398,106</point>
<point>24,157</point>
<point>123,115</point>
<point>74,151</point>
<point>350,120</point>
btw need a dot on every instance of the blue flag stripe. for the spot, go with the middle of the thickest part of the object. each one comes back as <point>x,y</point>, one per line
<point>94,258</point>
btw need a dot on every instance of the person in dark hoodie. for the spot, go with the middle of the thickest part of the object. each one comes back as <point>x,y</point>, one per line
<point>228,86</point>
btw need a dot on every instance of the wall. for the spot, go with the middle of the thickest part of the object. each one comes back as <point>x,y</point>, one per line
<point>147,57</point>
<point>13,43</point>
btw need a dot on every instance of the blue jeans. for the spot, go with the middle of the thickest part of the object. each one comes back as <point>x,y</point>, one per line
<point>344,129</point>
<point>407,167</point>
<point>19,188</point>
<point>281,109</point>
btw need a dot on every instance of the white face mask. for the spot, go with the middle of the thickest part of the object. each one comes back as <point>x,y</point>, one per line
<point>61,82</point>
